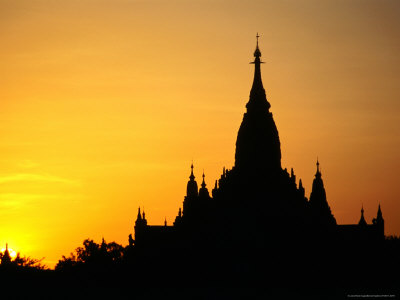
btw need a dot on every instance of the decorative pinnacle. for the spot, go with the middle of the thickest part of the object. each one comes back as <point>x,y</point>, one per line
<point>203,184</point>
<point>192,177</point>
<point>258,99</point>
<point>257,52</point>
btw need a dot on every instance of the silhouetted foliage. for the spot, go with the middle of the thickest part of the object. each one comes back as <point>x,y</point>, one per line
<point>92,255</point>
<point>21,262</point>
<point>29,262</point>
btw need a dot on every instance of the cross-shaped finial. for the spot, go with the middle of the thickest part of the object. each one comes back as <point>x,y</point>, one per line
<point>257,36</point>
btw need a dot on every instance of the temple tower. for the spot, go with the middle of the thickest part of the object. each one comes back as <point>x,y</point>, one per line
<point>320,210</point>
<point>257,145</point>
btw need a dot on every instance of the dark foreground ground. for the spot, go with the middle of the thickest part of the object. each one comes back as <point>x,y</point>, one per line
<point>317,273</point>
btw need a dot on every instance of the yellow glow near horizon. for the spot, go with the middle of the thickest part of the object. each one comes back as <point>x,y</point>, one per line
<point>104,104</point>
<point>12,253</point>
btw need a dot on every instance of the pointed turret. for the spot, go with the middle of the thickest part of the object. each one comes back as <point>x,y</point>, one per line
<point>178,218</point>
<point>140,226</point>
<point>362,221</point>
<point>257,145</point>
<point>318,173</point>
<point>320,209</point>
<point>141,219</point>
<point>203,192</point>
<point>191,177</point>
<point>379,216</point>
<point>192,189</point>
<point>379,224</point>
<point>6,258</point>
<point>215,189</point>
<point>258,98</point>
<point>192,194</point>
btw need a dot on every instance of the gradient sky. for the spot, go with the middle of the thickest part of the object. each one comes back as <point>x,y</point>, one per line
<point>104,104</point>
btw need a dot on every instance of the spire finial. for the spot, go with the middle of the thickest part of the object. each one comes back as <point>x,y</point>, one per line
<point>203,184</point>
<point>379,214</point>
<point>6,246</point>
<point>362,219</point>
<point>257,52</point>
<point>318,170</point>
<point>257,94</point>
<point>191,172</point>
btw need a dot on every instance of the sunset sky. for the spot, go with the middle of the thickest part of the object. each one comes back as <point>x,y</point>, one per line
<point>104,105</point>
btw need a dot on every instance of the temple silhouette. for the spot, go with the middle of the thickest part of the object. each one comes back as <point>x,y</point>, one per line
<point>256,202</point>
<point>254,236</point>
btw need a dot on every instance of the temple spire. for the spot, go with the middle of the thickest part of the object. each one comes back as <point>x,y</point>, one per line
<point>192,190</point>
<point>320,209</point>
<point>6,258</point>
<point>203,192</point>
<point>257,52</point>
<point>318,173</point>
<point>257,144</point>
<point>203,184</point>
<point>379,222</point>
<point>257,93</point>
<point>379,215</point>
<point>362,221</point>
<point>191,173</point>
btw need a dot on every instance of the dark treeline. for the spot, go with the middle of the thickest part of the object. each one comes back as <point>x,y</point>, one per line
<point>287,270</point>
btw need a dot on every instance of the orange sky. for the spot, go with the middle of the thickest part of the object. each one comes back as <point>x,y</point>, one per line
<point>104,104</point>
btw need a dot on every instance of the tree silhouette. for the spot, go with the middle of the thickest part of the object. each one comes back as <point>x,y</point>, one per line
<point>92,255</point>
<point>20,262</point>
